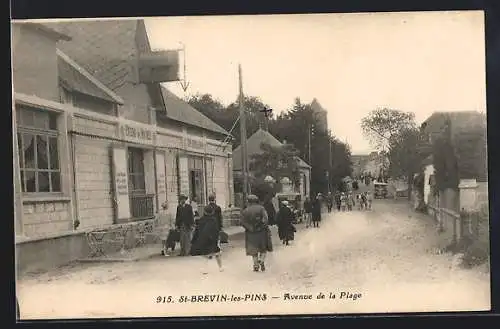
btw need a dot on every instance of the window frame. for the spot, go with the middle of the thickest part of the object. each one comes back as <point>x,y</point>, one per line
<point>35,132</point>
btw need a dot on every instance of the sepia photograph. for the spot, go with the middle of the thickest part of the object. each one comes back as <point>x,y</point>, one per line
<point>250,165</point>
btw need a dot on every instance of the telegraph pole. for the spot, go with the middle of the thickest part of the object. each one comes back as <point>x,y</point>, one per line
<point>243,133</point>
<point>309,144</point>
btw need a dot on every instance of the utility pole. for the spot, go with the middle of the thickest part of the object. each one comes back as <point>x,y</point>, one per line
<point>309,144</point>
<point>243,133</point>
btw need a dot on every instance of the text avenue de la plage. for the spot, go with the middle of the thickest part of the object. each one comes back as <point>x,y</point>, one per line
<point>258,297</point>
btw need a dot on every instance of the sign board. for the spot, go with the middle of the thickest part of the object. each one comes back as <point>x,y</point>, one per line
<point>161,178</point>
<point>136,134</point>
<point>159,66</point>
<point>195,143</point>
<point>184,175</point>
<point>120,181</point>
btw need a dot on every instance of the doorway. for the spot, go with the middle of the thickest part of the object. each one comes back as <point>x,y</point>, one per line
<point>141,203</point>
<point>196,186</point>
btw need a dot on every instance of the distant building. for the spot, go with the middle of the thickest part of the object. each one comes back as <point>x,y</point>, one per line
<point>253,147</point>
<point>359,162</point>
<point>320,114</point>
<point>460,123</point>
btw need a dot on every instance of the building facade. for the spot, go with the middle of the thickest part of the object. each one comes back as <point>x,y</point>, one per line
<point>99,140</point>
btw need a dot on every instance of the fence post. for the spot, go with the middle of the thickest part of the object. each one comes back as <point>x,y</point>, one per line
<point>468,202</point>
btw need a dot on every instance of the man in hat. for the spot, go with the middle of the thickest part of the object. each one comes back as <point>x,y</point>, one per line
<point>184,222</point>
<point>217,209</point>
<point>257,234</point>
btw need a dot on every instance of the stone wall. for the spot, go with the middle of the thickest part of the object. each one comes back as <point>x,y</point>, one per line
<point>42,218</point>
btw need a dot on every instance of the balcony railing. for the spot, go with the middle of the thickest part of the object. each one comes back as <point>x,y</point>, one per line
<point>142,206</point>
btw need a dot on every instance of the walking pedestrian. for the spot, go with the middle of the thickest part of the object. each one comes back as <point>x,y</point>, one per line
<point>206,235</point>
<point>369,197</point>
<point>257,234</point>
<point>271,212</point>
<point>184,222</point>
<point>337,200</point>
<point>343,201</point>
<point>316,211</point>
<point>308,211</point>
<point>329,201</point>
<point>364,200</point>
<point>350,202</point>
<point>285,219</point>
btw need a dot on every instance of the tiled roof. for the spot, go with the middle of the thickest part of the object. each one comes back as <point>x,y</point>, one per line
<point>253,147</point>
<point>76,79</point>
<point>47,30</point>
<point>105,48</point>
<point>460,120</point>
<point>181,111</point>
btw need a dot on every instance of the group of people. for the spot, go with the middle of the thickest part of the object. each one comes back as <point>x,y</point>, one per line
<point>312,211</point>
<point>199,234</point>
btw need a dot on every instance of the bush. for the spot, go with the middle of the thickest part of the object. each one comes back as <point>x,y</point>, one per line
<point>478,252</point>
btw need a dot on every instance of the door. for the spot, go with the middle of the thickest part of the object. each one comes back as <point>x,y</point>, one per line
<point>141,203</point>
<point>196,186</point>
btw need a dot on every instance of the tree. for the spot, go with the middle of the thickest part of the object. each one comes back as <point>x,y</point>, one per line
<point>380,125</point>
<point>398,132</point>
<point>277,162</point>
<point>404,156</point>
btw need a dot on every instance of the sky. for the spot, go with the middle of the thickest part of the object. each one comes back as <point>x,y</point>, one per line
<point>351,63</point>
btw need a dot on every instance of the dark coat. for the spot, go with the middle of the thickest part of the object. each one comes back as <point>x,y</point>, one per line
<point>308,206</point>
<point>284,220</point>
<point>184,216</point>
<point>271,212</point>
<point>257,234</point>
<point>316,213</point>
<point>206,234</point>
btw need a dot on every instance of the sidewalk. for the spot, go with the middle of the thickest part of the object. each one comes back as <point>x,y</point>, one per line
<point>147,251</point>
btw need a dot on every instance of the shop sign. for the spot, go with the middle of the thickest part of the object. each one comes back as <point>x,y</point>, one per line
<point>135,134</point>
<point>195,144</point>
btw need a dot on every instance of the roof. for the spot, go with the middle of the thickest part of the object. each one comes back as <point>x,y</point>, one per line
<point>47,30</point>
<point>104,48</point>
<point>460,120</point>
<point>253,147</point>
<point>78,79</point>
<point>181,111</point>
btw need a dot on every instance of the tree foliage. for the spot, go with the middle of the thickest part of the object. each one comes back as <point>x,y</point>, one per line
<point>297,125</point>
<point>278,162</point>
<point>398,132</point>
<point>381,125</point>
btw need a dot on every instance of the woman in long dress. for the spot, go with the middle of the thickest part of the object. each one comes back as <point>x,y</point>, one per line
<point>285,218</point>
<point>206,236</point>
<point>257,234</point>
<point>316,212</point>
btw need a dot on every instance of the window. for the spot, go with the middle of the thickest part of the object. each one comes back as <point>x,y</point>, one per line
<point>39,161</point>
<point>136,181</point>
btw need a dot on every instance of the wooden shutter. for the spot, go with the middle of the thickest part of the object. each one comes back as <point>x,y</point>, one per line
<point>120,183</point>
